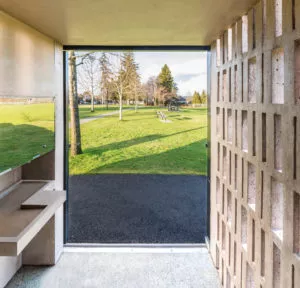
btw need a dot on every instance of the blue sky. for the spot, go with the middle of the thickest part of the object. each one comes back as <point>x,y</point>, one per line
<point>188,68</point>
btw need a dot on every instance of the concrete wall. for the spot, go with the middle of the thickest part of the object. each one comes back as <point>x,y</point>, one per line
<point>26,60</point>
<point>41,168</point>
<point>255,137</point>
<point>31,66</point>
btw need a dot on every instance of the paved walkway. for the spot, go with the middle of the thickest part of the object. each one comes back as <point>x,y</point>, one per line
<point>89,119</point>
<point>137,209</point>
<point>175,268</point>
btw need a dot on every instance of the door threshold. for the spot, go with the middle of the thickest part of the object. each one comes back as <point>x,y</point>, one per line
<point>134,248</point>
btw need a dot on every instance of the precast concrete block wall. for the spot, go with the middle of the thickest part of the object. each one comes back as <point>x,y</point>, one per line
<point>255,140</point>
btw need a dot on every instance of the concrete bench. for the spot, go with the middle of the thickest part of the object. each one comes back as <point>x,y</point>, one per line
<point>25,209</point>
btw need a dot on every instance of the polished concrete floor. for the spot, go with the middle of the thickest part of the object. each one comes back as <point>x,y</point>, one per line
<point>123,268</point>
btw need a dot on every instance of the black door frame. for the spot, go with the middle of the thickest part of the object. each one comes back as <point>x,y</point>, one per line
<point>184,48</point>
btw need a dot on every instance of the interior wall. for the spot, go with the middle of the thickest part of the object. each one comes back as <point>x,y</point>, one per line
<point>255,172</point>
<point>26,60</point>
<point>31,66</point>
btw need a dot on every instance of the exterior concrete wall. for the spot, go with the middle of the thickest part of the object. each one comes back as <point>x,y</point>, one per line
<point>31,66</point>
<point>255,176</point>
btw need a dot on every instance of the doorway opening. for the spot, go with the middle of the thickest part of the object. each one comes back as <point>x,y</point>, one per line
<point>137,146</point>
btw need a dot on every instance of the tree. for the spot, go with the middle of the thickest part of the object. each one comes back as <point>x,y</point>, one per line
<point>106,76</point>
<point>135,83</point>
<point>196,98</point>
<point>74,112</point>
<point>150,88</point>
<point>203,97</point>
<point>123,73</point>
<point>89,75</point>
<point>167,86</point>
<point>165,79</point>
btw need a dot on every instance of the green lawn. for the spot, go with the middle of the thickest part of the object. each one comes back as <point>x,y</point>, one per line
<point>24,130</point>
<point>85,110</point>
<point>141,143</point>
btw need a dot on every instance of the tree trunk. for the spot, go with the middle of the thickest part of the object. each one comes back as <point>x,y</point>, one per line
<point>92,101</point>
<point>92,104</point>
<point>136,104</point>
<point>74,111</point>
<point>121,106</point>
<point>92,98</point>
<point>106,92</point>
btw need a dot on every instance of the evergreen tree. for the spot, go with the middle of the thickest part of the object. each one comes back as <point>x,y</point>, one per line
<point>196,98</point>
<point>203,97</point>
<point>133,79</point>
<point>166,85</point>
<point>136,84</point>
<point>165,79</point>
<point>128,72</point>
<point>106,76</point>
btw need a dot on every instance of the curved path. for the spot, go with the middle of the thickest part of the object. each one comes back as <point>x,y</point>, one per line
<point>89,119</point>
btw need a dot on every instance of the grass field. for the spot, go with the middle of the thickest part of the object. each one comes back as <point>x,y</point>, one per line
<point>141,143</point>
<point>85,110</point>
<point>138,144</point>
<point>25,129</point>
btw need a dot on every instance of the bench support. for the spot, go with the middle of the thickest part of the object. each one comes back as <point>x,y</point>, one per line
<point>46,247</point>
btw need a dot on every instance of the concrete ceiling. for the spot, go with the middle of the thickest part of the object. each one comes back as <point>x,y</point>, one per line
<point>128,22</point>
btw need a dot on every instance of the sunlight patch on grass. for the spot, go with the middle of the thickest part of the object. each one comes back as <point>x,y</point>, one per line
<point>142,144</point>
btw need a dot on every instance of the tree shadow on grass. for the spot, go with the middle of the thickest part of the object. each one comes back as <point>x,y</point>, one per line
<point>183,118</point>
<point>190,160</point>
<point>135,141</point>
<point>20,143</point>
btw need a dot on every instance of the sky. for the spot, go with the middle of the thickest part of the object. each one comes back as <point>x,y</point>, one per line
<point>188,68</point>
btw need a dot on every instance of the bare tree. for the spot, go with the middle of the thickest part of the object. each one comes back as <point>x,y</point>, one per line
<point>151,90</point>
<point>89,76</point>
<point>74,112</point>
<point>122,79</point>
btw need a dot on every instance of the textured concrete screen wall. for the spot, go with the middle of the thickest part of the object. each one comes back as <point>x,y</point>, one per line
<point>255,175</point>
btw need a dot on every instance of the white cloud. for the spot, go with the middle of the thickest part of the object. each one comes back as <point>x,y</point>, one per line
<point>188,68</point>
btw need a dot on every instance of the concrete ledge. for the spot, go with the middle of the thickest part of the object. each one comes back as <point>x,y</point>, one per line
<point>34,219</point>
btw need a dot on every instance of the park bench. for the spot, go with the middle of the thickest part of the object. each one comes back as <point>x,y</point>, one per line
<point>161,115</point>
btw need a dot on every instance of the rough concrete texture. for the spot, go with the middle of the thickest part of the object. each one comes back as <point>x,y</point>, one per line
<point>297,72</point>
<point>252,81</point>
<point>261,245</point>
<point>132,208</point>
<point>251,184</point>
<point>123,270</point>
<point>278,76</point>
<point>229,125</point>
